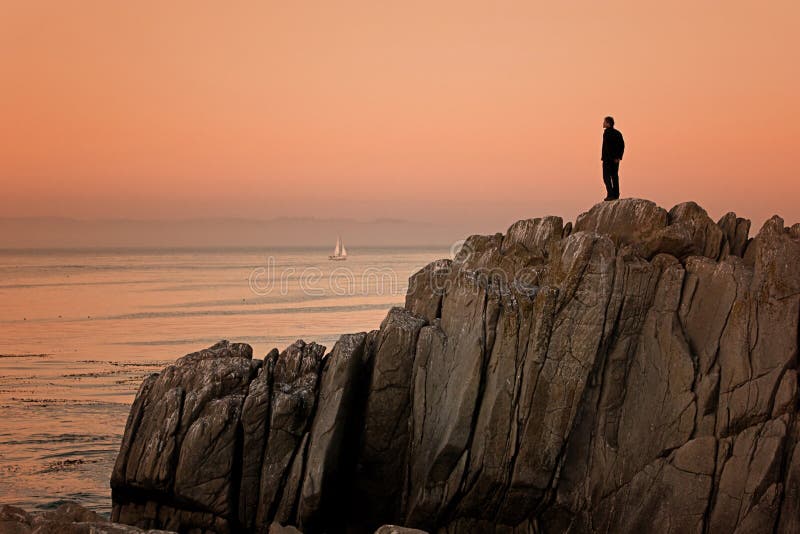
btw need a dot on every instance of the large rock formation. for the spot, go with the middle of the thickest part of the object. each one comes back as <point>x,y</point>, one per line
<point>635,371</point>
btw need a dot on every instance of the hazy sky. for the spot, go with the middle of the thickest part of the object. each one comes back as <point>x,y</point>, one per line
<point>481,112</point>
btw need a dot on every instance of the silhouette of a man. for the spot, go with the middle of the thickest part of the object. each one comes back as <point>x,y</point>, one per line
<point>613,147</point>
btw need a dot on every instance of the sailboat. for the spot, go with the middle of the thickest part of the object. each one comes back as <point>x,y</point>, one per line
<point>339,253</point>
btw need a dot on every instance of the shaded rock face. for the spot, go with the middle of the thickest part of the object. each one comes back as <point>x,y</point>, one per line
<point>634,372</point>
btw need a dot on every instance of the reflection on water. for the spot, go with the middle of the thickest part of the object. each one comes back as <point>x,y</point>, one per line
<point>79,330</point>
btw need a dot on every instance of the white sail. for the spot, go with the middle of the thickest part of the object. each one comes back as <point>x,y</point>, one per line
<point>339,253</point>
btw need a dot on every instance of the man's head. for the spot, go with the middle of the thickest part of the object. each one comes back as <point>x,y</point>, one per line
<point>608,122</point>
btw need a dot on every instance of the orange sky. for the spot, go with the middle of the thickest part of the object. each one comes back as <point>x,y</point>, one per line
<point>481,112</point>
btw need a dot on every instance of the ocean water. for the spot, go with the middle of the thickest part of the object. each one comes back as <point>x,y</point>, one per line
<point>80,329</point>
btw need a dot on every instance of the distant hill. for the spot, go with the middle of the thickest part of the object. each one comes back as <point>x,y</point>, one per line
<point>57,232</point>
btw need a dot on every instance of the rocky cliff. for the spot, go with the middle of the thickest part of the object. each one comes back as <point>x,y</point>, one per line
<point>633,372</point>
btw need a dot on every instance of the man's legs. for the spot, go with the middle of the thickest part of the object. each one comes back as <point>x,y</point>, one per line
<point>608,179</point>
<point>614,179</point>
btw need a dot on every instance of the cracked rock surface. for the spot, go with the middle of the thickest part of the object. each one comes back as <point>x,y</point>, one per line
<point>635,371</point>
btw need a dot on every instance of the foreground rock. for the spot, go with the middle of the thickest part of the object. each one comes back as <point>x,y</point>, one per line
<point>69,518</point>
<point>634,372</point>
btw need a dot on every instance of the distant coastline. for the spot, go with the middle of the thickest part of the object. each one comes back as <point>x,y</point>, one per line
<point>32,233</point>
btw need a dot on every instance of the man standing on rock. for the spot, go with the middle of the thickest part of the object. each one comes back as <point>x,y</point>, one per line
<point>613,147</point>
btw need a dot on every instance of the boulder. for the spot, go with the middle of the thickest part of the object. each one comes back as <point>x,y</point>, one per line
<point>689,232</point>
<point>628,221</point>
<point>736,230</point>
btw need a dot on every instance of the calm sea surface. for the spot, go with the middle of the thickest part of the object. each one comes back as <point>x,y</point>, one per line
<point>79,329</point>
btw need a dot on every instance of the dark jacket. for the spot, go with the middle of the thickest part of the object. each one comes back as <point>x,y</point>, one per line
<point>613,145</point>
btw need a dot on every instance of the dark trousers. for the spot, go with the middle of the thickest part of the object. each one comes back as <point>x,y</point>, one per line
<point>611,178</point>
